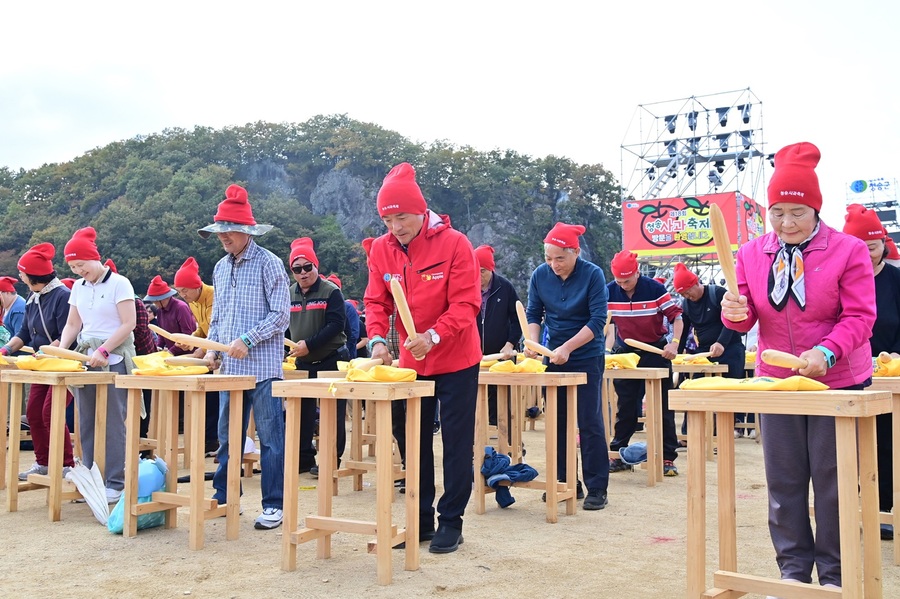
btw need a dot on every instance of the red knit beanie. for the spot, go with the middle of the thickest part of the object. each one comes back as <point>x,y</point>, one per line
<point>893,254</point>
<point>863,223</point>
<point>188,275</point>
<point>82,246</point>
<point>38,261</point>
<point>235,208</point>
<point>8,284</point>
<point>661,280</point>
<point>624,264</point>
<point>112,265</point>
<point>334,279</point>
<point>400,192</point>
<point>564,236</point>
<point>303,248</point>
<point>794,180</point>
<point>485,255</point>
<point>67,282</point>
<point>683,279</point>
<point>158,290</point>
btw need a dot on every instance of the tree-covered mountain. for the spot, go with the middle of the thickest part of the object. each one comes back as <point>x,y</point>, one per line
<point>147,196</point>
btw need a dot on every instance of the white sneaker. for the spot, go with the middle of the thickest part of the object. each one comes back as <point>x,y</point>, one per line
<point>738,434</point>
<point>752,433</point>
<point>112,495</point>
<point>35,469</point>
<point>269,519</point>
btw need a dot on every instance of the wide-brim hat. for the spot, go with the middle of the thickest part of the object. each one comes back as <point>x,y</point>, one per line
<point>227,227</point>
<point>161,297</point>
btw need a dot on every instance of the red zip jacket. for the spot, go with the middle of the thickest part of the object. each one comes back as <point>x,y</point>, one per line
<point>440,276</point>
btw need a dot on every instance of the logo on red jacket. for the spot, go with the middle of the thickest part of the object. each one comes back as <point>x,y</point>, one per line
<point>433,276</point>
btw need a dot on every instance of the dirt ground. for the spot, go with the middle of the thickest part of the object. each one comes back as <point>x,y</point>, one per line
<point>634,549</point>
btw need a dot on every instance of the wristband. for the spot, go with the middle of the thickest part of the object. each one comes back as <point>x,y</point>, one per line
<point>246,339</point>
<point>4,351</point>
<point>676,340</point>
<point>376,339</point>
<point>103,352</point>
<point>829,355</point>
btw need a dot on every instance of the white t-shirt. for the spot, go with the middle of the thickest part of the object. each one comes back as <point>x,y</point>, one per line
<point>97,303</point>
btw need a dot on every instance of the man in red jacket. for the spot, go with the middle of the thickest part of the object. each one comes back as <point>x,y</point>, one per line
<point>437,268</point>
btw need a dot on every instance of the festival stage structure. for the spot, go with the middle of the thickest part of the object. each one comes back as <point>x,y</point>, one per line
<point>678,158</point>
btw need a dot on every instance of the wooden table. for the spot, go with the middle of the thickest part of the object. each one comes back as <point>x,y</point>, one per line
<point>321,526</point>
<point>705,370</point>
<point>653,378</point>
<point>852,411</point>
<point>892,384</point>
<point>201,509</point>
<point>5,422</point>
<point>556,491</point>
<point>59,489</point>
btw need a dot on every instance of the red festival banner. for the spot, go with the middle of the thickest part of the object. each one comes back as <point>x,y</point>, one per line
<point>674,226</point>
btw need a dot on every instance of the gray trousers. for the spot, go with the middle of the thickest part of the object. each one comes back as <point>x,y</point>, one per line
<point>797,449</point>
<point>86,398</point>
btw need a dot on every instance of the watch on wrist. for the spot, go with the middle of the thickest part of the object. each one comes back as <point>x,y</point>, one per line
<point>435,338</point>
<point>829,355</point>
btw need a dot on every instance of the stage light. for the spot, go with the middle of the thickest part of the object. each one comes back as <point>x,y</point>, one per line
<point>692,120</point>
<point>722,138</point>
<point>720,166</point>
<point>694,144</point>
<point>747,138</point>
<point>690,168</point>
<point>722,113</point>
<point>771,159</point>
<point>670,148</point>
<point>714,179</point>
<point>651,173</point>
<point>741,164</point>
<point>670,122</point>
<point>745,112</point>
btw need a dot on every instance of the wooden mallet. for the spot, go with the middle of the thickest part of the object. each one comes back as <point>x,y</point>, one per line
<point>68,354</point>
<point>774,357</point>
<point>403,310</point>
<point>723,249</point>
<point>644,346</point>
<point>185,361</point>
<point>532,345</point>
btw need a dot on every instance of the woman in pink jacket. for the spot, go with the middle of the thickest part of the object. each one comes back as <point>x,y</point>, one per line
<point>811,288</point>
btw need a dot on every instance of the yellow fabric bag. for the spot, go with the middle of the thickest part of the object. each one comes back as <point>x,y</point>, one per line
<point>289,365</point>
<point>750,357</point>
<point>381,374</point>
<point>688,359</point>
<point>49,364</point>
<point>154,365</point>
<point>886,368</point>
<point>488,363</point>
<point>621,361</point>
<point>504,366</point>
<point>523,365</point>
<point>758,383</point>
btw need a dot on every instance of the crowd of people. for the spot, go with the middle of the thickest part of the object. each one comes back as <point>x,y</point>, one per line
<point>463,309</point>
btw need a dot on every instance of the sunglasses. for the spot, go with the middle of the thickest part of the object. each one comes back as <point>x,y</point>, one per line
<point>301,269</point>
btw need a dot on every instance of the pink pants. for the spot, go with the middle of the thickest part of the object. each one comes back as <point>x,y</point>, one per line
<point>38,412</point>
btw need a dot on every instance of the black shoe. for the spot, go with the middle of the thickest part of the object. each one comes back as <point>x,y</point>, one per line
<point>595,500</point>
<point>617,465</point>
<point>424,535</point>
<point>579,493</point>
<point>446,539</point>
<point>314,471</point>
<point>437,428</point>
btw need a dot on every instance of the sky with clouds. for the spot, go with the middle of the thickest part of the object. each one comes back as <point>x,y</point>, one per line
<point>562,78</point>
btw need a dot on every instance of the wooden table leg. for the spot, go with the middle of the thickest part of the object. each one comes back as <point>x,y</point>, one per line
<point>696,506</point>
<point>132,441</point>
<point>326,450</point>
<point>868,486</point>
<point>356,439</point>
<point>235,456</point>
<point>481,441</point>
<point>57,439</point>
<point>4,423</point>
<point>653,424</point>
<point>167,445</point>
<point>726,478</point>
<point>413,477</point>
<point>185,422</point>
<point>848,502</point>
<point>384,492</point>
<point>291,482</point>
<point>571,448</point>
<point>15,436</point>
<point>503,423</point>
<point>101,398</point>
<point>194,446</point>
<point>551,435</point>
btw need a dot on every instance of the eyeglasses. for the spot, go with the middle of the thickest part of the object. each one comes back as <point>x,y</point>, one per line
<point>301,269</point>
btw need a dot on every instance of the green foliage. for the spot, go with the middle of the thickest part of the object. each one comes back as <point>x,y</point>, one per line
<point>147,197</point>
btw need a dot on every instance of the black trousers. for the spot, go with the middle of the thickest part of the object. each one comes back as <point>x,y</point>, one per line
<point>308,415</point>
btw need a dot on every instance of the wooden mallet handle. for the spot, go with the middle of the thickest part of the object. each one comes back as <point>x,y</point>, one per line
<point>699,356</point>
<point>185,361</point>
<point>644,346</point>
<point>369,364</point>
<point>723,248</point>
<point>491,357</point>
<point>27,349</point>
<point>290,344</point>
<point>523,321</point>
<point>68,354</point>
<point>773,357</point>
<point>160,331</point>
<point>885,357</point>
<point>192,341</point>
<point>540,349</point>
<point>403,310</point>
